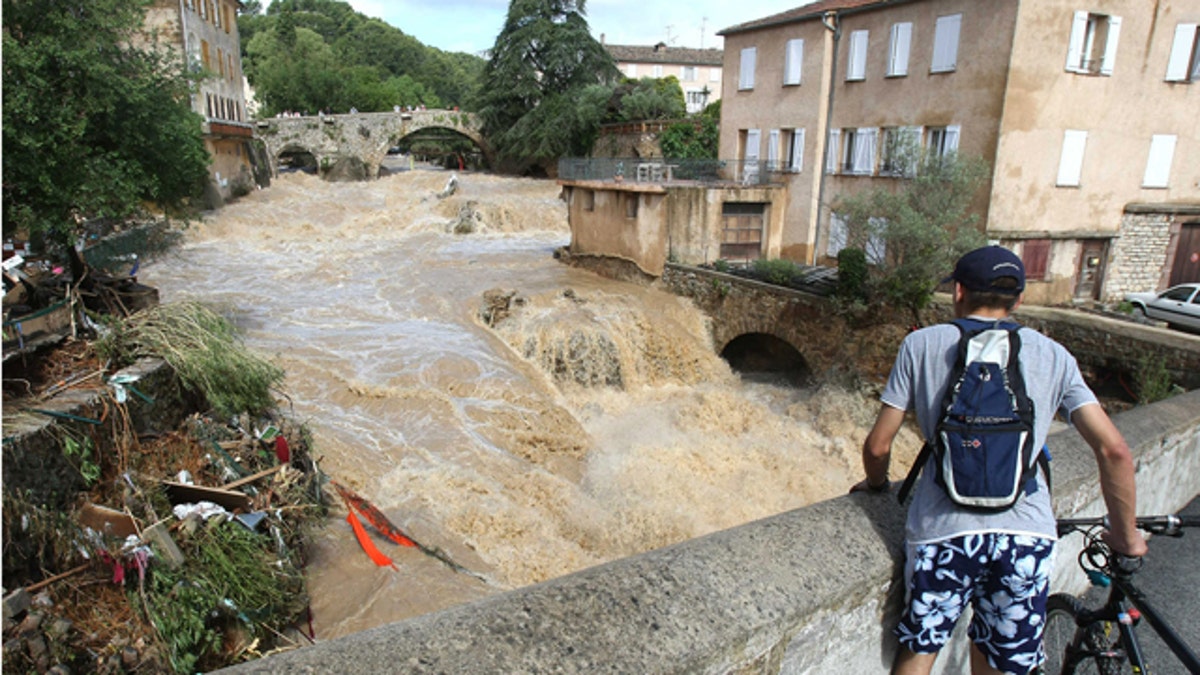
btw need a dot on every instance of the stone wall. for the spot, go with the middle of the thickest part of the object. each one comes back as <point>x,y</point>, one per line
<point>1137,259</point>
<point>33,459</point>
<point>810,590</point>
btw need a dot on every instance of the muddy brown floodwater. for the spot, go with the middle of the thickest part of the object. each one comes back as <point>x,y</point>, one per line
<point>491,443</point>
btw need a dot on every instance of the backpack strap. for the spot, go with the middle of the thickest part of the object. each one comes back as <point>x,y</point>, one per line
<point>922,457</point>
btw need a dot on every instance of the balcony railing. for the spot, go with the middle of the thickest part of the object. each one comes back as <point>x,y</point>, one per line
<point>666,171</point>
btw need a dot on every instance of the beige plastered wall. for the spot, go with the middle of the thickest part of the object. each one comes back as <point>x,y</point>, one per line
<point>680,223</point>
<point>971,96</point>
<point>1119,113</point>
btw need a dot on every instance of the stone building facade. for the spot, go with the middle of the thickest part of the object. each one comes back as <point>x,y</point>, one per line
<point>203,35</point>
<point>1078,110</point>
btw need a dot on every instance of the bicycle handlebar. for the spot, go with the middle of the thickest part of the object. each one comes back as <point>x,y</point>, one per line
<point>1170,525</point>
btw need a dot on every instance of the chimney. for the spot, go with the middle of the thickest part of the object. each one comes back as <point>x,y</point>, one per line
<point>602,38</point>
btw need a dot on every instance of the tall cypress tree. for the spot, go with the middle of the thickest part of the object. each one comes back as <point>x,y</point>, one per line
<point>543,59</point>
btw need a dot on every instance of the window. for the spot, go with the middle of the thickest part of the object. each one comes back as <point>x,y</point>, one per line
<point>588,197</point>
<point>831,150</point>
<point>1179,294</point>
<point>750,155</point>
<point>945,43</point>
<point>898,53</point>
<point>856,62</point>
<point>898,150</point>
<point>795,159</point>
<point>714,74</point>
<point>220,62</point>
<point>1070,164</point>
<point>1093,45</point>
<point>631,205</point>
<point>1184,64</point>
<point>657,70</point>
<point>793,61</point>
<point>746,68</point>
<point>941,141</point>
<point>204,56</point>
<point>689,73</point>
<point>773,150</point>
<point>839,238</point>
<point>1035,254</point>
<point>631,70</point>
<point>1158,165</point>
<point>858,151</point>
<point>216,14</point>
<point>696,100</point>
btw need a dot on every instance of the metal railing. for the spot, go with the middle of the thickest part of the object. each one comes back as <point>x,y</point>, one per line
<point>666,170</point>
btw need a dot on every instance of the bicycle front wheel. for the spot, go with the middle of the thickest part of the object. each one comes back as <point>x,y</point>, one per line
<point>1071,648</point>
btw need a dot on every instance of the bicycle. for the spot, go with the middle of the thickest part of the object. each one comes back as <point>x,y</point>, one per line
<point>1082,639</point>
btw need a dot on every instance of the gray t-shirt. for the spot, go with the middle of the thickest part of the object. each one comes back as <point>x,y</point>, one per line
<point>918,382</point>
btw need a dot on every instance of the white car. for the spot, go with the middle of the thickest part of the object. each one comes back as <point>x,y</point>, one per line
<point>1179,306</point>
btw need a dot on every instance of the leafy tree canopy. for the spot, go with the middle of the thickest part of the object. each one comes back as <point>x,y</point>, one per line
<point>93,127</point>
<point>357,46</point>
<point>651,99</point>
<point>542,61</point>
<point>914,231</point>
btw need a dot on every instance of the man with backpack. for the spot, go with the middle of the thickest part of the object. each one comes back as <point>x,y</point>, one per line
<point>981,529</point>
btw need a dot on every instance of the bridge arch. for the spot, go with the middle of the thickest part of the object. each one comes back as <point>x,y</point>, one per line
<point>762,355</point>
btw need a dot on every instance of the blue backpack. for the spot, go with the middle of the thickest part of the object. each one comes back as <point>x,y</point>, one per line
<point>983,448</point>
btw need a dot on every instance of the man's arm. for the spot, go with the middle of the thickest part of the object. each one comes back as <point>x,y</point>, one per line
<point>1117,482</point>
<point>877,449</point>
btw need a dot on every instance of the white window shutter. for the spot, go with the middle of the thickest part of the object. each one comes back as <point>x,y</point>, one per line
<point>632,70</point>
<point>838,235</point>
<point>901,42</point>
<point>746,71</point>
<point>753,140</point>
<point>773,149</point>
<point>1070,164</point>
<point>1110,46</point>
<point>856,68</point>
<point>876,248</point>
<point>1075,47</point>
<point>797,150</point>
<point>945,43</point>
<point>952,133</point>
<point>1181,52</point>
<point>864,151</point>
<point>793,61</point>
<point>832,151</point>
<point>1158,165</point>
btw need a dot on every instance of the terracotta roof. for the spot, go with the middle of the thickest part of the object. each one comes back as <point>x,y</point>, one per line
<point>813,10</point>
<point>661,53</point>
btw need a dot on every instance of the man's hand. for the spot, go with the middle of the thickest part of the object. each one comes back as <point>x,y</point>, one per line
<point>1130,547</point>
<point>864,485</point>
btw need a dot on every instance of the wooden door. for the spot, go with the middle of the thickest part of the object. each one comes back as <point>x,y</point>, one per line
<point>1186,267</point>
<point>1090,273</point>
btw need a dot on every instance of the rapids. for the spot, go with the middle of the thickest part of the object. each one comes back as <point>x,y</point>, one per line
<point>593,423</point>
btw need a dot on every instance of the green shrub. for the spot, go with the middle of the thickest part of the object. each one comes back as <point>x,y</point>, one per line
<point>203,349</point>
<point>852,274</point>
<point>1153,380</point>
<point>721,265</point>
<point>777,271</point>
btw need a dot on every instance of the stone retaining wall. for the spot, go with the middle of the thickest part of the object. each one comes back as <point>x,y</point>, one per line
<point>810,590</point>
<point>33,458</point>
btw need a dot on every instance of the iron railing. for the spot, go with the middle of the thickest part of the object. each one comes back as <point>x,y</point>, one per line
<point>662,170</point>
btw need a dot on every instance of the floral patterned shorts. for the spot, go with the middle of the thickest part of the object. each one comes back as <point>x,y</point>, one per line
<point>1004,577</point>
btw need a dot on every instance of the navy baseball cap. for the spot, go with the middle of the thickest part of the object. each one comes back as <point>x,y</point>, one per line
<point>980,269</point>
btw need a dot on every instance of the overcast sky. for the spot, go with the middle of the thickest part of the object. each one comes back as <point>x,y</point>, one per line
<point>471,25</point>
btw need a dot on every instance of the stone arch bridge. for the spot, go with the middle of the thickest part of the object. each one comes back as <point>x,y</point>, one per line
<point>352,146</point>
<point>787,331</point>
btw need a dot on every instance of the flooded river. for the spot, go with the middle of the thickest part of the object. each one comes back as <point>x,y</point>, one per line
<point>496,445</point>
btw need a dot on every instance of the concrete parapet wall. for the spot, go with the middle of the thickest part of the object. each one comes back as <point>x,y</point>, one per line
<point>810,590</point>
